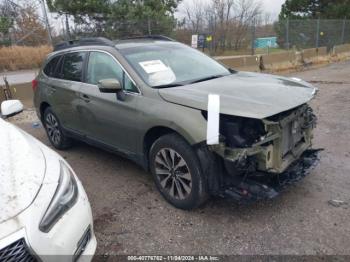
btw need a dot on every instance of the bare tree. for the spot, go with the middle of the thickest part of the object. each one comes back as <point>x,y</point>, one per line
<point>229,21</point>
<point>246,14</point>
<point>222,10</point>
<point>29,29</point>
<point>267,18</point>
<point>195,15</point>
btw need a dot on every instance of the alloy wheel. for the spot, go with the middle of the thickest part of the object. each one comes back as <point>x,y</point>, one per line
<point>173,173</point>
<point>52,128</point>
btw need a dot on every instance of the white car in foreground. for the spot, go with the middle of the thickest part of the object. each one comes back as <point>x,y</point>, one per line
<point>45,214</point>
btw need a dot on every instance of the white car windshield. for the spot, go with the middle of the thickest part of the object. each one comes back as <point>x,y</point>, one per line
<point>172,64</point>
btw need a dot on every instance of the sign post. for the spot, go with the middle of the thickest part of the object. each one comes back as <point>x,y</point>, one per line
<point>194,42</point>
<point>201,42</point>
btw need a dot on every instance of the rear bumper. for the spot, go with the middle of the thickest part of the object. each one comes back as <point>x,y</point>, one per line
<point>263,185</point>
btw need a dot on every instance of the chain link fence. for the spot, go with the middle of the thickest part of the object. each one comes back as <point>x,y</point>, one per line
<point>256,38</point>
<point>215,39</point>
<point>303,34</point>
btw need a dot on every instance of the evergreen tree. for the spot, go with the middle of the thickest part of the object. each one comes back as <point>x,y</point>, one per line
<point>324,9</point>
<point>119,18</point>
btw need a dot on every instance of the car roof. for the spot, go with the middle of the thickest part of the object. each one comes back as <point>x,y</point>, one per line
<point>133,43</point>
<point>118,44</point>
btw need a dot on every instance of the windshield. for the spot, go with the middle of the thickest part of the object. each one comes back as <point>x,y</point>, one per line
<point>172,64</point>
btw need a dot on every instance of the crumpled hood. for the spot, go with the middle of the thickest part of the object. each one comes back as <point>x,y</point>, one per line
<point>244,94</point>
<point>22,170</point>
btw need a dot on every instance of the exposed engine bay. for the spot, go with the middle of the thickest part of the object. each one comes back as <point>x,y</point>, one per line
<point>254,152</point>
<point>269,145</point>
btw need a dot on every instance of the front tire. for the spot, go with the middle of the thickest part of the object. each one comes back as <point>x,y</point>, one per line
<point>54,131</point>
<point>177,173</point>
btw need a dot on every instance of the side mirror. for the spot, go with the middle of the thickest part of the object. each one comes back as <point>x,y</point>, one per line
<point>109,86</point>
<point>11,107</point>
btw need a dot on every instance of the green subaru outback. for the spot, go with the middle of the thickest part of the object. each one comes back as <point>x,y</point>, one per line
<point>200,128</point>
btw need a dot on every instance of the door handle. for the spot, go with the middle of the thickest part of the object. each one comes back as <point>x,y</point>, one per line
<point>53,89</point>
<point>86,98</point>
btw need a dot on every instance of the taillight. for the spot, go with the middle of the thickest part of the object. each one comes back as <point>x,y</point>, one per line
<point>34,84</point>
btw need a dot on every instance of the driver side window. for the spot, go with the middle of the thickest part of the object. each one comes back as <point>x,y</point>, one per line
<point>103,66</point>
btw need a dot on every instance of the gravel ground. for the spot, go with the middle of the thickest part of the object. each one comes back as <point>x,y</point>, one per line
<point>130,216</point>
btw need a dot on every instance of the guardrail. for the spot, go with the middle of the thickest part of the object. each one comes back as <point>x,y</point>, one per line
<point>286,60</point>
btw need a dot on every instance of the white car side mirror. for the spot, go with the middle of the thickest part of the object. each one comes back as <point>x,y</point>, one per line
<point>11,108</point>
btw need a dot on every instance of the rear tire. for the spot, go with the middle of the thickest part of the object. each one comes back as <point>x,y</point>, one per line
<point>177,172</point>
<point>54,131</point>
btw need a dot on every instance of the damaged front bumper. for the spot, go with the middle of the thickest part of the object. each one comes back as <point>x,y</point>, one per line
<point>279,156</point>
<point>266,186</point>
<point>286,139</point>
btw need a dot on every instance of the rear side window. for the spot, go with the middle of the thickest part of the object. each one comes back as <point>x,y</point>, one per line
<point>73,66</point>
<point>51,67</point>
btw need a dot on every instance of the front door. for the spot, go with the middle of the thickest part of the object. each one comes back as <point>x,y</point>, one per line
<point>105,118</point>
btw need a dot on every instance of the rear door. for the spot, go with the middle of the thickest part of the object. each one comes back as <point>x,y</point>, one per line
<point>65,89</point>
<point>47,80</point>
<point>105,118</point>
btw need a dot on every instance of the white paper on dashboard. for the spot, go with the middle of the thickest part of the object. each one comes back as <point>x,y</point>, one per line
<point>213,122</point>
<point>153,66</point>
<point>162,78</point>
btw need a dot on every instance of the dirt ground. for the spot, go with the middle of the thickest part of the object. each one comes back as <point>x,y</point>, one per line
<point>130,216</point>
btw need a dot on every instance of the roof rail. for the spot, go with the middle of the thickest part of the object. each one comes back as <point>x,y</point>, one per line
<point>152,37</point>
<point>84,42</point>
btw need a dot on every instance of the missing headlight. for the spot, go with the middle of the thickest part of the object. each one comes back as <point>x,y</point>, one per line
<point>241,132</point>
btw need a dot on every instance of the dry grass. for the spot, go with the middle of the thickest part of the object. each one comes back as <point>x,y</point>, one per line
<point>22,57</point>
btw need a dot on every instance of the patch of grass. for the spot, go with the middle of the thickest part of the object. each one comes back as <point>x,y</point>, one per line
<point>22,57</point>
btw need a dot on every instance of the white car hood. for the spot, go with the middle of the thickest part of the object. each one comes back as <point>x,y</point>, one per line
<point>22,171</point>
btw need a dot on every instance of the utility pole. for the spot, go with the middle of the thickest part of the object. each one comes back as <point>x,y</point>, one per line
<point>43,5</point>
<point>287,34</point>
<point>318,33</point>
<point>149,26</point>
<point>253,36</point>
<point>343,32</point>
<point>67,28</point>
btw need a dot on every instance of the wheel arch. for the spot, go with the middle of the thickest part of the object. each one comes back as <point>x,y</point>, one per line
<point>42,109</point>
<point>156,132</point>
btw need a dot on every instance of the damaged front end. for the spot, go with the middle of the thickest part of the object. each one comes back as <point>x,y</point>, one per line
<point>260,157</point>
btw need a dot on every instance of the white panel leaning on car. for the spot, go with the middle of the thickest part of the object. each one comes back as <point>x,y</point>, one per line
<point>45,214</point>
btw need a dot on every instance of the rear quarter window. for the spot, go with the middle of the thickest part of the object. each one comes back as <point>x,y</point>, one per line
<point>51,66</point>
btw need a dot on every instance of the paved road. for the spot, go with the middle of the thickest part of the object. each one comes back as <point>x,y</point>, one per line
<point>18,77</point>
<point>131,217</point>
